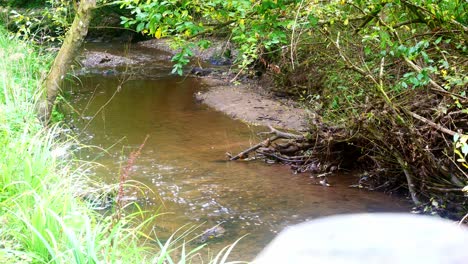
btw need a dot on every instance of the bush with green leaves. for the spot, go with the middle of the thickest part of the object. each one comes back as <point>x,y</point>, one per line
<point>255,27</point>
<point>23,3</point>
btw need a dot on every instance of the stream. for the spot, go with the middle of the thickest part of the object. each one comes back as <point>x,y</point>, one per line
<point>183,162</point>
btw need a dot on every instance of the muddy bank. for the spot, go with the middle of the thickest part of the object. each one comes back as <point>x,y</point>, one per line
<point>253,104</point>
<point>100,59</point>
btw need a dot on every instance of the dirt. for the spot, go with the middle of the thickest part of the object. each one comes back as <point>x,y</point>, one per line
<point>253,104</point>
<point>99,59</point>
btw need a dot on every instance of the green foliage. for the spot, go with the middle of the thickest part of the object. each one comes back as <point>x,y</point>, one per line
<point>23,3</point>
<point>181,59</point>
<point>255,27</point>
<point>57,115</point>
<point>46,22</point>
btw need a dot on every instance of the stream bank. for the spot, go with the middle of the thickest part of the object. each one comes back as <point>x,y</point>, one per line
<point>183,162</point>
<point>252,104</point>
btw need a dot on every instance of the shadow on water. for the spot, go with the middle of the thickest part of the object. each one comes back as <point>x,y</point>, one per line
<point>182,162</point>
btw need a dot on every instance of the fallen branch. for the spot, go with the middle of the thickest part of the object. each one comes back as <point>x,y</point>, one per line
<point>246,152</point>
<point>277,135</point>
<point>284,135</point>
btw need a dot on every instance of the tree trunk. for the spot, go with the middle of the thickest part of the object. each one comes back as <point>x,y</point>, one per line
<point>73,40</point>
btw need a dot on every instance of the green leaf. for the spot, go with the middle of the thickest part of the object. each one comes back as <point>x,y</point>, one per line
<point>367,50</point>
<point>204,44</point>
<point>313,20</point>
<point>464,149</point>
<point>464,139</point>
<point>140,26</point>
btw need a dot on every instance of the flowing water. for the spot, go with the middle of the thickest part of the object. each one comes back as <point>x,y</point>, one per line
<point>183,160</point>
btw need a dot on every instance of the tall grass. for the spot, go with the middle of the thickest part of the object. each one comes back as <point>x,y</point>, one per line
<point>42,218</point>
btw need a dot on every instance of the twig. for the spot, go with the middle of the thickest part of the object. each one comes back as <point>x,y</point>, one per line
<point>350,65</point>
<point>451,21</point>
<point>282,134</point>
<point>101,108</point>
<point>412,21</point>
<point>445,189</point>
<point>409,180</point>
<point>381,72</point>
<point>435,86</point>
<point>437,33</point>
<point>279,157</point>
<point>293,32</point>
<point>463,220</point>
<point>370,16</point>
<point>237,75</point>
<point>215,27</point>
<point>109,27</point>
<point>432,124</point>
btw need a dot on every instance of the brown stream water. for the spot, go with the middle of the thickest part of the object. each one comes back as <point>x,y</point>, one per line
<point>183,161</point>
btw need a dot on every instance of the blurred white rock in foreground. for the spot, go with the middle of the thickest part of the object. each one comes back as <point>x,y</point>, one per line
<point>370,238</point>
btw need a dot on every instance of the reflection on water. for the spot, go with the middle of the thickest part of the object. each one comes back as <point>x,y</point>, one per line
<point>182,162</point>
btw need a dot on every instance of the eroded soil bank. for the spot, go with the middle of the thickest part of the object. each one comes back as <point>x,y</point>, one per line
<point>253,104</point>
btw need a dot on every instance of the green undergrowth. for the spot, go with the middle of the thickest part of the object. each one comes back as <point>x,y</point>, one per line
<point>42,217</point>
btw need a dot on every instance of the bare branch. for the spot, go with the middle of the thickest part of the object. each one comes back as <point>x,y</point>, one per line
<point>276,135</point>
<point>432,124</point>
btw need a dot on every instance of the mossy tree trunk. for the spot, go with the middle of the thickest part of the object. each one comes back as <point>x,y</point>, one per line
<point>73,40</point>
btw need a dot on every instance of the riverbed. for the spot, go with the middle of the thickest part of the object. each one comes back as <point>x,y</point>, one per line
<point>183,163</point>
